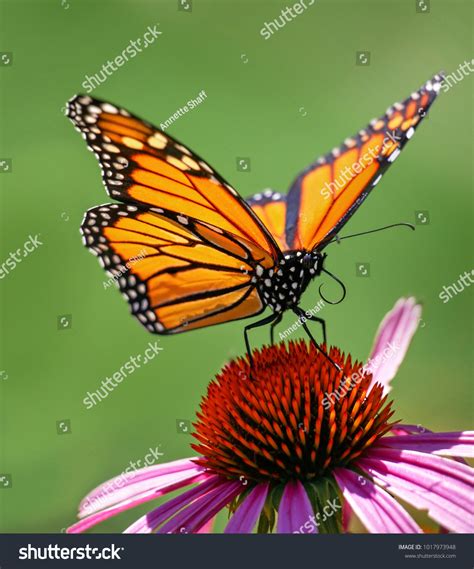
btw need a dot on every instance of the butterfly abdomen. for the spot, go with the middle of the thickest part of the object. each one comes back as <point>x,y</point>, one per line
<point>281,287</point>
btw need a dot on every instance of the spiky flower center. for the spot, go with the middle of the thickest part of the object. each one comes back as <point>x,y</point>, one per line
<point>293,416</point>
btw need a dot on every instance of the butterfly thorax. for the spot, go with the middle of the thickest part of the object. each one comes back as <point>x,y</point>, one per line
<point>282,286</point>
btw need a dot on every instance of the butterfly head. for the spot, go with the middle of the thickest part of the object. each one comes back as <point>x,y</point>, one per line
<point>313,262</point>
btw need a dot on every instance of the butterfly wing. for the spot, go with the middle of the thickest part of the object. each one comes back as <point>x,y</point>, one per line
<point>270,207</point>
<point>143,165</point>
<point>176,272</point>
<point>325,195</point>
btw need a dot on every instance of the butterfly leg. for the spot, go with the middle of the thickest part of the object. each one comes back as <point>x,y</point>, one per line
<point>257,324</point>
<point>300,313</point>
<point>321,321</point>
<point>272,327</point>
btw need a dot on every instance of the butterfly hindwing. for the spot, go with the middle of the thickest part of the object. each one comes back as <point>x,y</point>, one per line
<point>270,207</point>
<point>143,165</point>
<point>176,272</point>
<point>327,193</point>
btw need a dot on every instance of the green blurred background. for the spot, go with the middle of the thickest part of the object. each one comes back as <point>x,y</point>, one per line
<point>280,102</point>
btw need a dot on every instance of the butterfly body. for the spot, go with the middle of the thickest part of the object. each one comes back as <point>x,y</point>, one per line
<point>281,287</point>
<point>187,251</point>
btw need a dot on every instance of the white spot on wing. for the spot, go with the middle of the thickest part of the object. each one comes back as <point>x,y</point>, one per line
<point>108,108</point>
<point>377,180</point>
<point>395,154</point>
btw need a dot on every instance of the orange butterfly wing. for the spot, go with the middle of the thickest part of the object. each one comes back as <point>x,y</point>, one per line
<point>325,195</point>
<point>270,207</point>
<point>177,273</point>
<point>143,165</point>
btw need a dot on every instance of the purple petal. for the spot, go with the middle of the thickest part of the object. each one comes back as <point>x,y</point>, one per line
<point>392,340</point>
<point>150,521</point>
<point>444,466</point>
<point>128,484</point>
<point>442,486</point>
<point>247,514</point>
<point>179,480</point>
<point>295,510</point>
<point>375,508</point>
<point>447,444</point>
<point>439,509</point>
<point>195,515</point>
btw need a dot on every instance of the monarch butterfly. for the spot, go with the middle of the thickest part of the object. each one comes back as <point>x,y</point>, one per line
<point>189,252</point>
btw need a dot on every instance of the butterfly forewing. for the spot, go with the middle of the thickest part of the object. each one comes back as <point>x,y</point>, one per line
<point>327,193</point>
<point>143,165</point>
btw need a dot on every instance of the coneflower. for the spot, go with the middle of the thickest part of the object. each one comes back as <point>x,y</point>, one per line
<point>294,445</point>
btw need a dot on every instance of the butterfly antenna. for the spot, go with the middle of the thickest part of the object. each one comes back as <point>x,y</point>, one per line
<point>338,239</point>
<point>338,281</point>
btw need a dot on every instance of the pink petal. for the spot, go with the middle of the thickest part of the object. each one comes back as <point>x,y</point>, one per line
<point>375,508</point>
<point>404,429</point>
<point>195,515</point>
<point>460,472</point>
<point>179,480</point>
<point>446,444</point>
<point>347,516</point>
<point>150,521</point>
<point>424,489</point>
<point>248,512</point>
<point>128,484</point>
<point>392,340</point>
<point>208,526</point>
<point>295,510</point>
